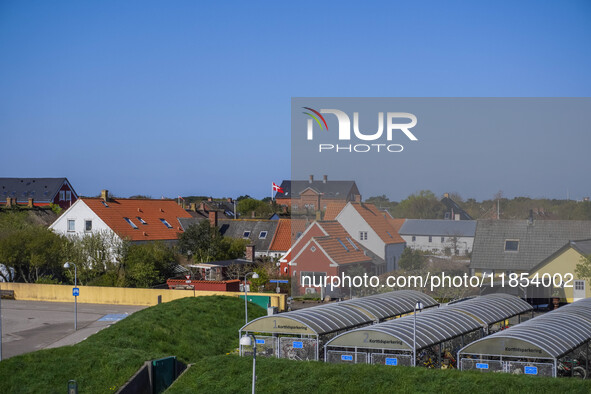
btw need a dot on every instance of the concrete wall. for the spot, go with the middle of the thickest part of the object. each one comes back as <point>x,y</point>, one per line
<point>117,295</point>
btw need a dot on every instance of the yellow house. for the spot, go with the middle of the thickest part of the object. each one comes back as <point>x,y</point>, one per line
<point>558,270</point>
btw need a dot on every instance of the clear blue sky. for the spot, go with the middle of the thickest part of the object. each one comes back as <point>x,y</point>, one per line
<point>193,98</point>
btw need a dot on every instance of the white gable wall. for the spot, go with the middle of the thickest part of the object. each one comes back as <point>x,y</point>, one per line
<point>79,212</point>
<point>353,222</point>
<point>421,242</point>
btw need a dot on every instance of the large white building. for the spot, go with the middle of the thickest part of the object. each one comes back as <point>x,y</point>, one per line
<point>439,236</point>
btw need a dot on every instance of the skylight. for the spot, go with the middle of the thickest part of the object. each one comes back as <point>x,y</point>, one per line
<point>246,234</point>
<point>387,232</point>
<point>132,224</point>
<point>262,235</point>
<point>105,204</point>
<point>342,244</point>
<point>142,221</point>
<point>166,223</point>
<point>352,243</point>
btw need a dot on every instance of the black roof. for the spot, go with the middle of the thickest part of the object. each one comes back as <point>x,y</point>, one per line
<point>255,228</point>
<point>537,240</point>
<point>340,190</point>
<point>453,208</point>
<point>40,189</point>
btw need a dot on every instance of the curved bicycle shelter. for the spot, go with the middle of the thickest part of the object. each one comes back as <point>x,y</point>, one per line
<point>439,333</point>
<point>555,343</point>
<point>300,334</point>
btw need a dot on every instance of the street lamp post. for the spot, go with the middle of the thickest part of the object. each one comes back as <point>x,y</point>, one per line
<point>67,266</point>
<point>254,276</point>
<point>247,341</point>
<point>418,306</point>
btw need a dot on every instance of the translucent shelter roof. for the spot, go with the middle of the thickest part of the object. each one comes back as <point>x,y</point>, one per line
<point>324,319</point>
<point>551,335</point>
<point>386,305</point>
<point>432,327</point>
<point>492,308</point>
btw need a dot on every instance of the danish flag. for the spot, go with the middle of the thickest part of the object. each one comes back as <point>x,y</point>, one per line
<point>276,188</point>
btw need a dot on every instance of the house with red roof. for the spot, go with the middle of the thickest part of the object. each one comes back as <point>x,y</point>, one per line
<point>326,249</point>
<point>376,230</point>
<point>135,220</point>
<point>287,233</point>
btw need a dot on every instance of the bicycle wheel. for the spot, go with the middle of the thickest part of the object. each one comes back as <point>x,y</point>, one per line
<point>579,372</point>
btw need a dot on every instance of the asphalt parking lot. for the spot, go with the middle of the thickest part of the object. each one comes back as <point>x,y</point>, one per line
<point>32,325</point>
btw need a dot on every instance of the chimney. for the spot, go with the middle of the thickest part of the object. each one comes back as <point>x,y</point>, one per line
<point>311,178</point>
<point>8,202</point>
<point>324,179</point>
<point>193,206</point>
<point>445,195</point>
<point>252,215</point>
<point>250,251</point>
<point>105,195</point>
<point>213,218</point>
<point>209,199</point>
<point>357,198</point>
<point>530,220</point>
<point>30,204</point>
<point>318,216</point>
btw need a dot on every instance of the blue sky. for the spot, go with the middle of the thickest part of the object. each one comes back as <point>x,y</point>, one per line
<point>193,98</point>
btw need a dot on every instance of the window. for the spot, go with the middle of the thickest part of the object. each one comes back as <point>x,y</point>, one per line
<point>246,234</point>
<point>352,243</point>
<point>165,223</point>
<point>342,244</point>
<point>105,204</point>
<point>579,285</point>
<point>142,221</point>
<point>298,234</point>
<point>363,235</point>
<point>387,232</point>
<point>447,215</point>
<point>88,225</point>
<point>262,235</point>
<point>71,225</point>
<point>511,245</point>
<point>132,224</point>
<point>313,248</point>
<point>442,239</point>
<point>430,238</point>
<point>414,238</point>
<point>68,196</point>
<point>62,195</point>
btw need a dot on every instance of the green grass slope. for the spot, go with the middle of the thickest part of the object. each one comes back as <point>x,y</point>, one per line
<point>233,374</point>
<point>189,328</point>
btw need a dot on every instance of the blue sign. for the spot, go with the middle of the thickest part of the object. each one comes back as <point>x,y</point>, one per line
<point>260,341</point>
<point>346,358</point>
<point>298,345</point>
<point>75,292</point>
<point>530,370</point>
<point>391,361</point>
<point>278,281</point>
<point>481,365</point>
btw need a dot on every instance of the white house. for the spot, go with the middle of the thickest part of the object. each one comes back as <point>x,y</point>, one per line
<point>439,236</point>
<point>375,230</point>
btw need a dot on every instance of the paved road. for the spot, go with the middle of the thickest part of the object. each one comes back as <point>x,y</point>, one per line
<point>32,325</point>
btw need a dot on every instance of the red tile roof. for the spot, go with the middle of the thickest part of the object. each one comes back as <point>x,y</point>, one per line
<point>286,234</point>
<point>379,221</point>
<point>151,211</point>
<point>339,245</point>
<point>333,208</point>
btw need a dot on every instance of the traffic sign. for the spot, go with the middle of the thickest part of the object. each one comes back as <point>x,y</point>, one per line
<point>188,281</point>
<point>188,276</point>
<point>75,291</point>
<point>278,281</point>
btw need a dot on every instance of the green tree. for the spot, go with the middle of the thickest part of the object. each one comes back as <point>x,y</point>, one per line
<point>421,205</point>
<point>583,269</point>
<point>148,264</point>
<point>203,242</point>
<point>412,260</point>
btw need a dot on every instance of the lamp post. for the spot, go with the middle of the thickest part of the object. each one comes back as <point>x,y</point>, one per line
<point>254,276</point>
<point>247,341</point>
<point>418,306</point>
<point>67,266</point>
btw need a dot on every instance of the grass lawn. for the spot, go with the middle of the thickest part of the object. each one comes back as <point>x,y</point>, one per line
<point>233,374</point>
<point>189,328</point>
